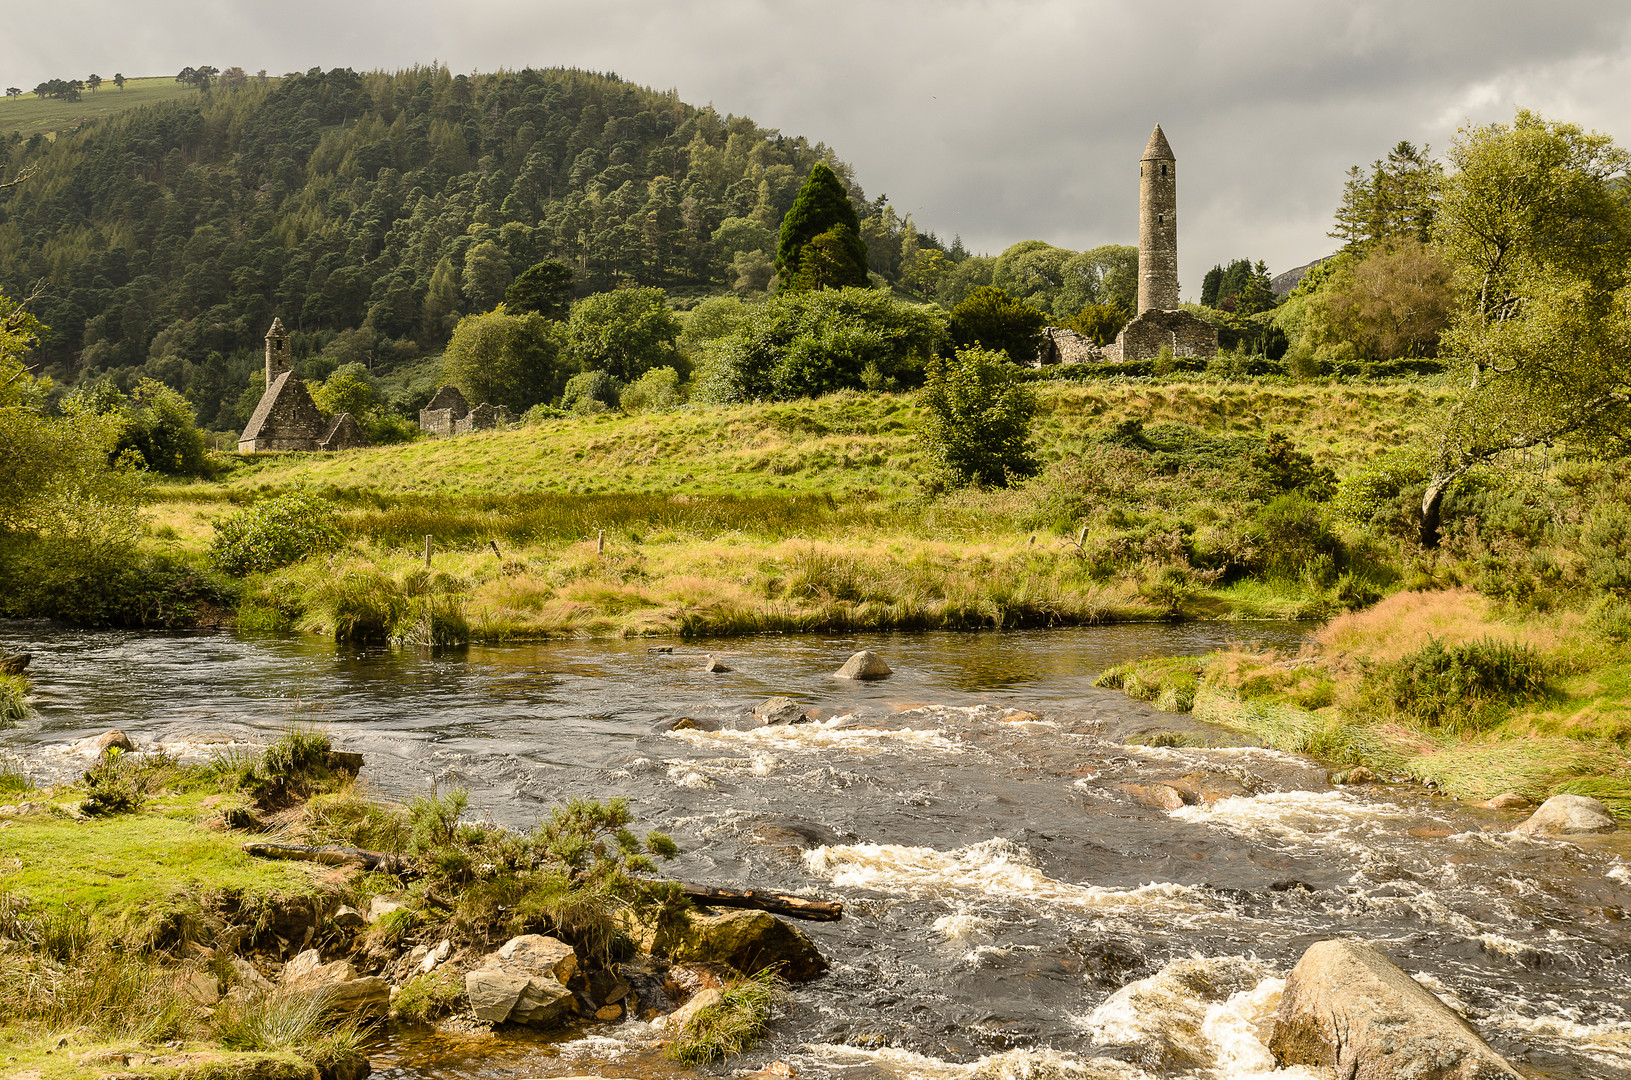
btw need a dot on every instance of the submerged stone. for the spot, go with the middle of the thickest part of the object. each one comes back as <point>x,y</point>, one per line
<point>1564,814</point>
<point>865,664</point>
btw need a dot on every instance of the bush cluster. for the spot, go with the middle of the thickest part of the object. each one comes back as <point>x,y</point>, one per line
<point>1456,688</point>
<point>274,533</point>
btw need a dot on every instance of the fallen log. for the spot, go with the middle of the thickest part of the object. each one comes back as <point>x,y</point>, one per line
<point>329,855</point>
<point>800,907</point>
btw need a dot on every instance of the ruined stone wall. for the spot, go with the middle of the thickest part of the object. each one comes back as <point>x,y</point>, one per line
<point>344,433</point>
<point>437,423</point>
<point>1183,333</point>
<point>484,417</point>
<point>1066,347</point>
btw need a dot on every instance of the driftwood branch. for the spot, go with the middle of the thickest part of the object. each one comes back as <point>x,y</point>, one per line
<point>330,855</point>
<point>799,907</point>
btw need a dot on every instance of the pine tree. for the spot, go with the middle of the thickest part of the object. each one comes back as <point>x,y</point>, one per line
<point>823,208</point>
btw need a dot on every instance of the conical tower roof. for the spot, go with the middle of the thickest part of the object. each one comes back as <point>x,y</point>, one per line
<point>1158,150</point>
<point>277,324</point>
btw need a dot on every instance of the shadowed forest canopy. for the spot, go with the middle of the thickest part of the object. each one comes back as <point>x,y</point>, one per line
<point>386,204</point>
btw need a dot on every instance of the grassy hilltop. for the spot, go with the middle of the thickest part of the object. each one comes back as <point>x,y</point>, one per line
<point>28,115</point>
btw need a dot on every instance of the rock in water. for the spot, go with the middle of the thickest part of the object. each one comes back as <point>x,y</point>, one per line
<point>15,664</point>
<point>865,664</point>
<point>779,710</point>
<point>748,941</point>
<point>715,665</point>
<point>523,982</point>
<point>1348,1007</point>
<point>677,1020</point>
<point>114,739</point>
<point>1564,814</point>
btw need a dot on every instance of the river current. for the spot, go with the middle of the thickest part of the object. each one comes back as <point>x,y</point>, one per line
<point>1014,907</point>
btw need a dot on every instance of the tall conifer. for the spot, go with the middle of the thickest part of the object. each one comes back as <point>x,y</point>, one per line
<point>822,209</point>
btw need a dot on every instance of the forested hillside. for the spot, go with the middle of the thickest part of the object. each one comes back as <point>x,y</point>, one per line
<point>378,208</point>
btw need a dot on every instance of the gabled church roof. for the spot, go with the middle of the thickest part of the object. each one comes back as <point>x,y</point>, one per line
<point>299,408</point>
<point>1158,149</point>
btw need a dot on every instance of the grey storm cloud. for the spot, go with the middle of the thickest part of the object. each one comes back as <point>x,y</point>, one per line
<point>996,120</point>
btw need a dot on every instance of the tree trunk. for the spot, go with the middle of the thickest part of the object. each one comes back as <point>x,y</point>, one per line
<point>1432,504</point>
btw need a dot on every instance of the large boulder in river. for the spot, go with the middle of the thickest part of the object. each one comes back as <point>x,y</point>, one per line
<point>523,982</point>
<point>747,940</point>
<point>779,710</point>
<point>1348,1007</point>
<point>863,665</point>
<point>1564,814</point>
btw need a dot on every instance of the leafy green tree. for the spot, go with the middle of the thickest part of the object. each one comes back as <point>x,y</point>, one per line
<point>990,318</point>
<point>1099,323</point>
<point>544,288</point>
<point>590,392</point>
<point>440,310</point>
<point>738,234</point>
<point>1540,342</point>
<point>1032,271</point>
<point>119,79</point>
<point>93,81</point>
<point>822,209</point>
<point>623,333</point>
<point>827,262</point>
<point>977,419</point>
<point>804,344</point>
<point>751,272</point>
<point>1240,287</point>
<point>486,276</point>
<point>349,389</point>
<point>513,360</point>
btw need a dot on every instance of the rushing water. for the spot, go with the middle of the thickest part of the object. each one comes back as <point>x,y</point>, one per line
<point>1011,909</point>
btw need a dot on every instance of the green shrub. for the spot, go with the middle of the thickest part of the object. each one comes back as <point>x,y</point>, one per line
<point>13,703</point>
<point>977,422</point>
<point>274,533</point>
<point>112,787</point>
<point>733,1025</point>
<point>988,318</point>
<point>1385,493</point>
<point>13,780</point>
<point>1459,687</point>
<point>804,344</point>
<point>1296,540</point>
<point>656,390</point>
<point>590,392</point>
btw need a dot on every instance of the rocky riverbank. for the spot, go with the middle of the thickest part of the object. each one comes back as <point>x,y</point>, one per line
<point>218,963</point>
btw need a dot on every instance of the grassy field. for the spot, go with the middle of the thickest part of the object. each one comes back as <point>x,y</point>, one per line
<point>805,516</point>
<point>29,115</point>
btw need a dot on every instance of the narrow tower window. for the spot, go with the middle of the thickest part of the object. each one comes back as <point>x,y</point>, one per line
<point>1163,170</point>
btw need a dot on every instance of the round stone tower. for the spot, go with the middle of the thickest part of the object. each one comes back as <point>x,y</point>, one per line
<point>277,348</point>
<point>1157,226</point>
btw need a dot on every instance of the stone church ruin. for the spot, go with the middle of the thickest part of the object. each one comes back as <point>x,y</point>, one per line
<point>286,418</point>
<point>1160,322</point>
<point>448,414</point>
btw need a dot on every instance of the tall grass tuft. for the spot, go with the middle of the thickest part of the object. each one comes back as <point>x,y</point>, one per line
<point>292,1023</point>
<point>13,703</point>
<point>731,1026</point>
<point>13,780</point>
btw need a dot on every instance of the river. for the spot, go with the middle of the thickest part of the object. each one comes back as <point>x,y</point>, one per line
<point>1001,884</point>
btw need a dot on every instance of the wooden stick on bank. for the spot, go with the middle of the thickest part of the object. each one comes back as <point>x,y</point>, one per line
<point>799,907</point>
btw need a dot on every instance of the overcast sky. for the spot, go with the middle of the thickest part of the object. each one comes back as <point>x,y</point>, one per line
<point>1000,120</point>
